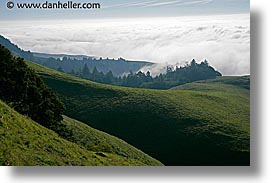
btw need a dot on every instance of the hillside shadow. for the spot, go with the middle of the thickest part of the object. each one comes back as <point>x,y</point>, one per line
<point>199,172</point>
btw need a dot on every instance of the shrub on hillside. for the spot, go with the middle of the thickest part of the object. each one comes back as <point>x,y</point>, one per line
<point>26,92</point>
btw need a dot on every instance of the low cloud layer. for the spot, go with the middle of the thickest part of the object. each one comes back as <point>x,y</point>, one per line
<point>223,40</point>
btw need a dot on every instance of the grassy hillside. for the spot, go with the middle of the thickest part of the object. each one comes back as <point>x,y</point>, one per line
<point>223,84</point>
<point>177,127</point>
<point>97,141</point>
<point>25,142</point>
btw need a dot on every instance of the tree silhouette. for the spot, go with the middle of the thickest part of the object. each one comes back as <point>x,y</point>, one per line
<point>26,92</point>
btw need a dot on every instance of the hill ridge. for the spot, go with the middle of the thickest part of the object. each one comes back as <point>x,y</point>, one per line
<point>182,127</point>
<point>25,142</point>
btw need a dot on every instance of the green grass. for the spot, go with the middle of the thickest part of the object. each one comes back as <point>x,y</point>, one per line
<point>97,141</point>
<point>236,85</point>
<point>24,142</point>
<point>240,81</point>
<point>229,84</point>
<point>203,123</point>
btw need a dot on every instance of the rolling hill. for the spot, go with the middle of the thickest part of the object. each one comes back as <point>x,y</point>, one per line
<point>25,142</point>
<point>26,93</point>
<point>97,141</point>
<point>204,123</point>
<point>218,84</point>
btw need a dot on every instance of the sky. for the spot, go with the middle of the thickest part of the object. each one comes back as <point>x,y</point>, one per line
<point>160,31</point>
<point>129,8</point>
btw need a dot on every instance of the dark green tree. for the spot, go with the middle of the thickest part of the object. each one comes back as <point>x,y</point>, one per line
<point>109,77</point>
<point>86,72</point>
<point>26,92</point>
<point>60,69</point>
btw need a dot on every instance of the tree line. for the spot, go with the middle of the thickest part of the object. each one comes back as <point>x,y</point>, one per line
<point>173,77</point>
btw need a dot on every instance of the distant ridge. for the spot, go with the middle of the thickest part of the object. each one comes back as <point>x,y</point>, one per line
<point>61,56</point>
<point>69,63</point>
